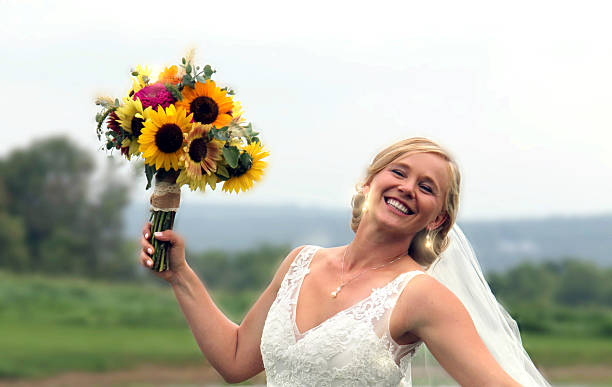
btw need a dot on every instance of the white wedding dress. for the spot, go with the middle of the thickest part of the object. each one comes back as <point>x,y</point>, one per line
<point>351,348</point>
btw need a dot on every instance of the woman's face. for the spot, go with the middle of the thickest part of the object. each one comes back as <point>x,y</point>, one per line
<point>408,194</point>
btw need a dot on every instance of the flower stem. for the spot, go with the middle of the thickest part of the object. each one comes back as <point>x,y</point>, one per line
<point>161,221</point>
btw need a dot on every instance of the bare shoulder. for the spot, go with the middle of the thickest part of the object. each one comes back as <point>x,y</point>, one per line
<point>424,300</point>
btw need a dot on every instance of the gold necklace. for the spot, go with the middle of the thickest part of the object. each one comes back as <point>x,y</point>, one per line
<point>342,283</point>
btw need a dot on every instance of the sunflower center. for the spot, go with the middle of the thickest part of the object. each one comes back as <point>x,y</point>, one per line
<point>204,109</point>
<point>137,125</point>
<point>197,150</point>
<point>169,138</point>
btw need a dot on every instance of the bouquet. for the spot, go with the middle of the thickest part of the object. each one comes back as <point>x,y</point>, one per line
<point>189,131</point>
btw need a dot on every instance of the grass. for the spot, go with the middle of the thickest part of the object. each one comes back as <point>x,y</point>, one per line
<point>555,351</point>
<point>54,325</point>
<point>31,349</point>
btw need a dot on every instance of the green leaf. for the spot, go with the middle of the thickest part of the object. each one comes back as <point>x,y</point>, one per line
<point>231,155</point>
<point>246,160</point>
<point>183,60</point>
<point>176,93</point>
<point>201,79</point>
<point>208,71</point>
<point>116,101</point>
<point>188,68</point>
<point>188,81</point>
<point>222,171</point>
<point>150,172</point>
<point>219,134</point>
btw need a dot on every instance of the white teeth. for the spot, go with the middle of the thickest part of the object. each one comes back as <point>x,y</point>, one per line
<point>398,206</point>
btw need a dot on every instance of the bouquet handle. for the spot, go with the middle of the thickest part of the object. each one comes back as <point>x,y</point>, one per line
<point>165,201</point>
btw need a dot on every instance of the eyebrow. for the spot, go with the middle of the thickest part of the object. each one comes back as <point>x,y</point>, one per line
<point>426,177</point>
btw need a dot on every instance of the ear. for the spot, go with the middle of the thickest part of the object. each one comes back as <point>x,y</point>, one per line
<point>365,189</point>
<point>438,221</point>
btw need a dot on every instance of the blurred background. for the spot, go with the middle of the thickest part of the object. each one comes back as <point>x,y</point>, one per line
<point>520,93</point>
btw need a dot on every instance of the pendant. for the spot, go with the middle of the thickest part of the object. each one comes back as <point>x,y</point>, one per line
<point>335,292</point>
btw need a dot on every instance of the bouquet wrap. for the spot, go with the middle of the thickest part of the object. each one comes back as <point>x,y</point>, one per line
<point>165,201</point>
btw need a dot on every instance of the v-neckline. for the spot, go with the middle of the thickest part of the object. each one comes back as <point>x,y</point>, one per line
<point>296,330</point>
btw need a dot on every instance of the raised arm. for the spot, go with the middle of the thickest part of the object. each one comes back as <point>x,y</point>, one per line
<point>438,317</point>
<point>233,350</point>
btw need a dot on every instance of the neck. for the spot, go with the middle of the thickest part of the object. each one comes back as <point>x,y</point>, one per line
<point>373,246</point>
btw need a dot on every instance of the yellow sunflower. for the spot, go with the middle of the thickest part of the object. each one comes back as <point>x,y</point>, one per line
<point>243,176</point>
<point>208,103</point>
<point>201,155</point>
<point>131,118</point>
<point>162,138</point>
<point>197,182</point>
<point>237,113</point>
<point>142,79</point>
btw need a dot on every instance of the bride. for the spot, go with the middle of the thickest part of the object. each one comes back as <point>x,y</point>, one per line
<point>356,314</point>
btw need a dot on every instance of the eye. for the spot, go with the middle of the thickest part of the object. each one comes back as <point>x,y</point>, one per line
<point>426,188</point>
<point>398,172</point>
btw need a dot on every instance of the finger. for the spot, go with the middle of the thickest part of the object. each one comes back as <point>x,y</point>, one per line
<point>148,250</point>
<point>145,244</point>
<point>145,260</point>
<point>146,230</point>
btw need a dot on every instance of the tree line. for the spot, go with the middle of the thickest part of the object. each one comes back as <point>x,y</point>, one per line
<point>62,214</point>
<point>55,218</point>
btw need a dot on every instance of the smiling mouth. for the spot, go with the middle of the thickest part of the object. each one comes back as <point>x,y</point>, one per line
<point>396,204</point>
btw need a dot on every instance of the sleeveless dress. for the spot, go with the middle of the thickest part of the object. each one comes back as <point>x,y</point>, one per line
<point>351,348</point>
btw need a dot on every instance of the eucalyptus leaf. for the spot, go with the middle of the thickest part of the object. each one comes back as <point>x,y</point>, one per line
<point>183,60</point>
<point>208,71</point>
<point>222,171</point>
<point>246,160</point>
<point>231,155</point>
<point>149,172</point>
<point>188,68</point>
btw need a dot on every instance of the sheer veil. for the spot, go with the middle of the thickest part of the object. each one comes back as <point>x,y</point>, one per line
<point>458,269</point>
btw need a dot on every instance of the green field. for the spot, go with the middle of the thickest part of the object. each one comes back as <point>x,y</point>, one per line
<point>49,326</point>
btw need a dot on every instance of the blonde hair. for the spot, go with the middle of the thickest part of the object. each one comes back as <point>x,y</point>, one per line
<point>418,251</point>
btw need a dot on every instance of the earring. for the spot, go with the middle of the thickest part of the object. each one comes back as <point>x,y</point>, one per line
<point>364,207</point>
<point>428,242</point>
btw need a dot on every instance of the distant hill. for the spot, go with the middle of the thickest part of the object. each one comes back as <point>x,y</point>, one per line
<point>499,244</point>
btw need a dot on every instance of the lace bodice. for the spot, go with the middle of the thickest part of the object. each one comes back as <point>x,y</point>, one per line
<point>351,348</point>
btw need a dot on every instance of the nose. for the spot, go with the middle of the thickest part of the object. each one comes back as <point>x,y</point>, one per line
<point>408,188</point>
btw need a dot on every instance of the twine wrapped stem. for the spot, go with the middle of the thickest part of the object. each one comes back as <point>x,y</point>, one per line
<point>165,201</point>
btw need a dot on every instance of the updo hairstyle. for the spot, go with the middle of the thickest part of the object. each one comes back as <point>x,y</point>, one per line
<point>418,251</point>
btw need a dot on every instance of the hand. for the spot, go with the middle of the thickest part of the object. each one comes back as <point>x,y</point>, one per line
<point>176,252</point>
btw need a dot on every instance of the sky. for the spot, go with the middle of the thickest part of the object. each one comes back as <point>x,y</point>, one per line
<point>519,92</point>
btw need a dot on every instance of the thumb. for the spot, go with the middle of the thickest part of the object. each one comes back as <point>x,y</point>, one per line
<point>167,236</point>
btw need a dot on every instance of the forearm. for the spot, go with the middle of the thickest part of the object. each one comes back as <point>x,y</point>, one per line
<point>215,334</point>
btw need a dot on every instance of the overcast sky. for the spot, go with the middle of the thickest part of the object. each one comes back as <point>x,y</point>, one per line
<point>520,93</point>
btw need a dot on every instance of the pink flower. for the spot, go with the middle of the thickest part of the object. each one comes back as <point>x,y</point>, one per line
<point>154,95</point>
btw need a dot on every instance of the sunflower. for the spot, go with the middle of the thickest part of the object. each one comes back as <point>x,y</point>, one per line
<point>201,155</point>
<point>246,173</point>
<point>161,141</point>
<point>197,182</point>
<point>169,75</point>
<point>141,80</point>
<point>236,113</point>
<point>209,104</point>
<point>131,118</point>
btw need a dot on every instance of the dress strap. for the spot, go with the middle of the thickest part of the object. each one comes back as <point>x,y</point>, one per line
<point>397,350</point>
<point>296,273</point>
